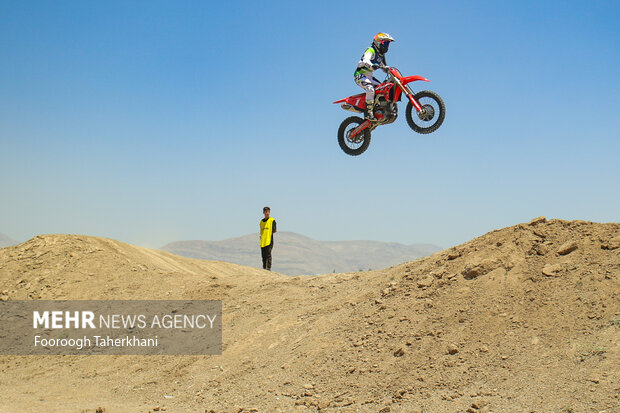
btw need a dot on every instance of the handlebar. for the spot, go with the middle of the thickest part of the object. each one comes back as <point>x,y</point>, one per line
<point>382,67</point>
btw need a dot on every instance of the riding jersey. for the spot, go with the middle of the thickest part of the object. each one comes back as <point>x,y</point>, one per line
<point>369,58</point>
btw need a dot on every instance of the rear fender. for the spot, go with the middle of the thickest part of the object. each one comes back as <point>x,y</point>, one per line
<point>358,101</point>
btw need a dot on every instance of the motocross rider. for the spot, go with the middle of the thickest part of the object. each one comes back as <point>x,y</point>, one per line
<point>373,58</point>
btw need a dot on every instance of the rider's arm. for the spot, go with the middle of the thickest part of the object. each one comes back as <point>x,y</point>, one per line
<point>367,58</point>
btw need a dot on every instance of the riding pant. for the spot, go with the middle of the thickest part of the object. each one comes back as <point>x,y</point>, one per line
<point>367,83</point>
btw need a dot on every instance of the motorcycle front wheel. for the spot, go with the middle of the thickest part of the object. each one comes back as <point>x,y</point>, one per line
<point>433,112</point>
<point>353,145</point>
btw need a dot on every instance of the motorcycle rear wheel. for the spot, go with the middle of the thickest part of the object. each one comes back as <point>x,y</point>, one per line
<point>356,145</point>
<point>432,118</point>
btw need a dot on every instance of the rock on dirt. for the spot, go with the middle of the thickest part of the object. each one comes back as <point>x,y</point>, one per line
<point>452,349</point>
<point>552,270</point>
<point>539,220</point>
<point>485,266</point>
<point>426,281</point>
<point>612,244</point>
<point>567,248</point>
<point>453,254</point>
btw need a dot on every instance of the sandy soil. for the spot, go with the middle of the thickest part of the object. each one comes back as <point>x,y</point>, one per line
<point>522,319</point>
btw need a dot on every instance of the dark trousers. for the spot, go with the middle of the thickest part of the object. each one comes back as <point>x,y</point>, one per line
<point>266,253</point>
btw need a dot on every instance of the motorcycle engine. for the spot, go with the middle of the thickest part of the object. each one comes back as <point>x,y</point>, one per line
<point>389,110</point>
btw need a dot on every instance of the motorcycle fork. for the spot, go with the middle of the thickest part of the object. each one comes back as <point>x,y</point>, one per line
<point>409,95</point>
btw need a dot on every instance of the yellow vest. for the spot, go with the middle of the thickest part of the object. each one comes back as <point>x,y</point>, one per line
<point>265,232</point>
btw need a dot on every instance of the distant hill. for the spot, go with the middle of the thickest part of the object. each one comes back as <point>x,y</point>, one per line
<point>297,254</point>
<point>6,241</point>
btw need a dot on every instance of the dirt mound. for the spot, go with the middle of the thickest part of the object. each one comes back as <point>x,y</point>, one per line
<point>82,267</point>
<point>526,318</point>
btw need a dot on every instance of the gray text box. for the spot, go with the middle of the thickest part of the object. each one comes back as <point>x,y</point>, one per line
<point>90,327</point>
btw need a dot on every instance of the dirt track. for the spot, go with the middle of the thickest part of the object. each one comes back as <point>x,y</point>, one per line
<point>522,319</point>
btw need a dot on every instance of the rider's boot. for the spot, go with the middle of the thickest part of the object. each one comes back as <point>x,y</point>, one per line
<point>369,113</point>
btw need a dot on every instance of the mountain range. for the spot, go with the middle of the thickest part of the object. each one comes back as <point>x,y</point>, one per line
<point>295,254</point>
<point>6,241</point>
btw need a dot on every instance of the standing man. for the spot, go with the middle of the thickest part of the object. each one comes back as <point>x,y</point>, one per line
<point>267,229</point>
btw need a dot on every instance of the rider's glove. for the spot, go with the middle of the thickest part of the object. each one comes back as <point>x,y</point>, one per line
<point>375,66</point>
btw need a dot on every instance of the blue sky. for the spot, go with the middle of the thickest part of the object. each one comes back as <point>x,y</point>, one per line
<point>151,122</point>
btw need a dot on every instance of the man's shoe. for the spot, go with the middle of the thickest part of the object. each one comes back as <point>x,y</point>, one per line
<point>369,113</point>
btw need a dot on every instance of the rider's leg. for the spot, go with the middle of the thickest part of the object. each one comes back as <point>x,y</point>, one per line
<point>366,83</point>
<point>369,113</point>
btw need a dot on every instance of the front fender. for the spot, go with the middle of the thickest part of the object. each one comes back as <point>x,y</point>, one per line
<point>409,79</point>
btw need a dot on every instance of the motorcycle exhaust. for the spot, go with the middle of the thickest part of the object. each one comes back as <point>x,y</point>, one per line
<point>346,106</point>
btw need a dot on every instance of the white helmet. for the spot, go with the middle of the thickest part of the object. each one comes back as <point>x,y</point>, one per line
<point>381,42</point>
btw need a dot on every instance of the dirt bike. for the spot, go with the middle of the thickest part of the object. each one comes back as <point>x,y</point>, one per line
<point>425,111</point>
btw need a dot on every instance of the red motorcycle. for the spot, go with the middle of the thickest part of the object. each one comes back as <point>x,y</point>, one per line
<point>425,111</point>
